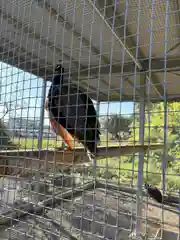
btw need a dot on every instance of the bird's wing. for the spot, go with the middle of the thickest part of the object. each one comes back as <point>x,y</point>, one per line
<point>73,108</point>
<point>92,114</point>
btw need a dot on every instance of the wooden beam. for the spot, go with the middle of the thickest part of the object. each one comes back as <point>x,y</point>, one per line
<point>20,161</point>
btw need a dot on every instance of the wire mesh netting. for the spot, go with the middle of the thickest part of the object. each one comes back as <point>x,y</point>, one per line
<point>89,119</point>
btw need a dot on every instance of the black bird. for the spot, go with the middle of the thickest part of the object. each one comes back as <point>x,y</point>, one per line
<point>154,192</point>
<point>74,110</point>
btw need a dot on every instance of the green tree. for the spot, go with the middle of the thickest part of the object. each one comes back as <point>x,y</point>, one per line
<point>155,128</point>
<point>118,126</point>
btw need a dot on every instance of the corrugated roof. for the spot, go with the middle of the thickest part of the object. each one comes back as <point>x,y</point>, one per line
<point>90,39</point>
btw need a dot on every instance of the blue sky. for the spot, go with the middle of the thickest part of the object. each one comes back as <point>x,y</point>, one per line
<point>23,92</point>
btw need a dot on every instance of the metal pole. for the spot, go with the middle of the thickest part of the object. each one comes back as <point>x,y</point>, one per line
<point>141,156</point>
<point>0,90</point>
<point>164,158</point>
<point>40,137</point>
<point>98,108</point>
<point>94,158</point>
<point>41,127</point>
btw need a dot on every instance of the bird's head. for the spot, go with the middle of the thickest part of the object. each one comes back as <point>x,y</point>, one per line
<point>58,78</point>
<point>59,69</point>
<point>146,185</point>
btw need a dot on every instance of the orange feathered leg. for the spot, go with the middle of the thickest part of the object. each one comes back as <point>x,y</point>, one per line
<point>66,136</point>
<point>59,129</point>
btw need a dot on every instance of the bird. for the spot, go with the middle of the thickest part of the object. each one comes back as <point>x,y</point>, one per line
<point>154,192</point>
<point>74,111</point>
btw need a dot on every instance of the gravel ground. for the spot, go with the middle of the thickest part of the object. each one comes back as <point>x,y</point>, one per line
<point>92,215</point>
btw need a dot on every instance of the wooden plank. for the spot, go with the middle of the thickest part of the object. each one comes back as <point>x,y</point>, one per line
<point>125,150</point>
<point>102,151</point>
<point>116,151</point>
<point>14,160</point>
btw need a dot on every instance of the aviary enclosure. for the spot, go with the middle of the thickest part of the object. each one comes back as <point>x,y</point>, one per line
<point>90,111</point>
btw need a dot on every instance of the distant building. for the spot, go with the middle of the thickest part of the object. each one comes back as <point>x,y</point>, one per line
<point>22,127</point>
<point>24,123</point>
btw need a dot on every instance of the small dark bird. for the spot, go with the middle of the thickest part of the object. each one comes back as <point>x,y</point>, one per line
<point>74,110</point>
<point>154,192</point>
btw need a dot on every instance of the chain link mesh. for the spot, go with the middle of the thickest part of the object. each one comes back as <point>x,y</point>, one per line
<point>124,56</point>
